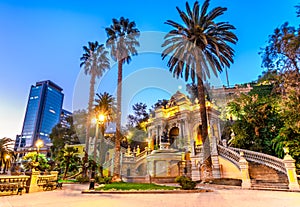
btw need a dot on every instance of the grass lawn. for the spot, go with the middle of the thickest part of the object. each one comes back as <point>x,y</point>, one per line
<point>135,186</point>
<point>67,181</point>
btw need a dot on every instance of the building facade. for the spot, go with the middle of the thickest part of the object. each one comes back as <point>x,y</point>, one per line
<point>43,112</point>
<point>64,116</point>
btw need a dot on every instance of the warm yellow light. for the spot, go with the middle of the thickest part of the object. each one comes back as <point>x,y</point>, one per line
<point>101,118</point>
<point>39,143</point>
<point>7,157</point>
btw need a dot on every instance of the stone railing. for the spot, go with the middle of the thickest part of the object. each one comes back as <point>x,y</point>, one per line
<point>261,158</point>
<point>134,157</point>
<point>141,156</point>
<point>229,154</point>
<point>13,183</point>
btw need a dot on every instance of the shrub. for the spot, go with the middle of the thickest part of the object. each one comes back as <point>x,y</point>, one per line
<point>185,182</point>
<point>103,180</point>
<point>82,179</point>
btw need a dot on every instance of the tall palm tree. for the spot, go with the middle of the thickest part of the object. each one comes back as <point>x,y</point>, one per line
<point>122,41</point>
<point>95,62</point>
<point>197,47</point>
<point>105,106</point>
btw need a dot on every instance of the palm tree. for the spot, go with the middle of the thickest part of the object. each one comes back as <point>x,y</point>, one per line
<point>4,151</point>
<point>69,157</point>
<point>122,41</point>
<point>95,62</point>
<point>105,106</point>
<point>196,47</point>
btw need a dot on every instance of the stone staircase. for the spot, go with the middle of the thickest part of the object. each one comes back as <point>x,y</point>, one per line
<point>195,168</point>
<point>264,177</point>
<point>265,171</point>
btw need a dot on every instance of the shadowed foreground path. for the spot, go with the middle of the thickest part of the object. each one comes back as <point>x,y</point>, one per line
<point>71,196</point>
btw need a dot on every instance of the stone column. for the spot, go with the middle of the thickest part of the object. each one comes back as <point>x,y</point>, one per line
<point>289,164</point>
<point>55,174</point>
<point>33,187</point>
<point>215,159</point>
<point>246,182</point>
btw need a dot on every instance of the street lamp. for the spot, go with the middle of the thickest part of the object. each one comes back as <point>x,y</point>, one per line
<point>39,143</point>
<point>99,121</point>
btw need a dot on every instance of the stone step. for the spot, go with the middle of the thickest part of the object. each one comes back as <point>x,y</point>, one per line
<point>263,173</point>
<point>261,184</point>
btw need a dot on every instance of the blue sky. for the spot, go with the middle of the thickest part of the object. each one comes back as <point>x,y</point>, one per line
<point>41,40</point>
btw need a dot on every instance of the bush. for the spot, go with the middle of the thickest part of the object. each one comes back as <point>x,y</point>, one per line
<point>185,182</point>
<point>103,180</point>
<point>82,179</point>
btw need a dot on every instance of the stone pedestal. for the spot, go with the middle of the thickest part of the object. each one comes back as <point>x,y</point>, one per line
<point>55,174</point>
<point>33,187</point>
<point>246,182</point>
<point>289,164</point>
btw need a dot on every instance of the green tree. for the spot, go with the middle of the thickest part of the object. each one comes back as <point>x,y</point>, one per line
<point>61,135</point>
<point>122,42</point>
<point>95,62</point>
<point>197,46</point>
<point>29,161</point>
<point>283,49</point>
<point>69,160</point>
<point>258,122</point>
<point>106,106</point>
<point>139,117</point>
<point>281,56</point>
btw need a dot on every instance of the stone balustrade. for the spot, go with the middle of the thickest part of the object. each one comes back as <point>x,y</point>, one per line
<point>229,154</point>
<point>13,184</point>
<point>264,159</point>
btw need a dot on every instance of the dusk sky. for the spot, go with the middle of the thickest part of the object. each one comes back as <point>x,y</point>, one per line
<point>43,39</point>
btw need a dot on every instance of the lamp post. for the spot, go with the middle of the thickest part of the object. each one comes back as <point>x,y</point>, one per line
<point>39,143</point>
<point>99,121</point>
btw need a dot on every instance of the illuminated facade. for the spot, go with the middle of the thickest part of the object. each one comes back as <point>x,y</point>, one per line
<point>180,122</point>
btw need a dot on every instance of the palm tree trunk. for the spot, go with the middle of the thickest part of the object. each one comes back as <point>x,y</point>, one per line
<point>96,140</point>
<point>89,115</point>
<point>206,170</point>
<point>67,168</point>
<point>116,173</point>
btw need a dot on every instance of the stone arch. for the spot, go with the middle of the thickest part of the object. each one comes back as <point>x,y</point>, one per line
<point>153,142</point>
<point>197,135</point>
<point>173,135</point>
<point>141,169</point>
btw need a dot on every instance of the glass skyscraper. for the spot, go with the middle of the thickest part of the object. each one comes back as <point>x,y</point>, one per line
<point>43,112</point>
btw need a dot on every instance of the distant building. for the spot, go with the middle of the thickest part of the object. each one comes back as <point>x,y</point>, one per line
<point>43,112</point>
<point>19,142</point>
<point>64,115</point>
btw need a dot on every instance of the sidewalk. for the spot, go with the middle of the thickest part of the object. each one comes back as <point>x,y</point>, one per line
<point>71,196</point>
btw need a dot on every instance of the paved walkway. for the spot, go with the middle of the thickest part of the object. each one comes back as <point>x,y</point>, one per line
<point>71,196</point>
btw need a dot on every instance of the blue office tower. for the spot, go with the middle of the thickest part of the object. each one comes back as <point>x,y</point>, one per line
<point>43,112</point>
